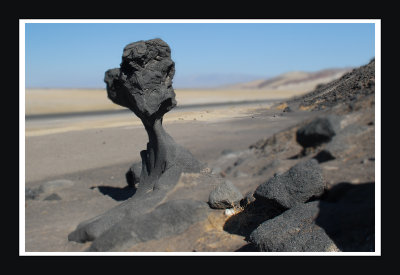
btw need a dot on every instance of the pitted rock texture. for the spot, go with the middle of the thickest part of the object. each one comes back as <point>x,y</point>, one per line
<point>348,89</point>
<point>299,184</point>
<point>318,131</point>
<point>343,220</point>
<point>170,218</point>
<point>143,83</point>
<point>293,231</point>
<point>225,195</point>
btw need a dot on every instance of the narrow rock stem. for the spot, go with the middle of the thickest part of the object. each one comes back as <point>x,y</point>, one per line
<point>159,154</point>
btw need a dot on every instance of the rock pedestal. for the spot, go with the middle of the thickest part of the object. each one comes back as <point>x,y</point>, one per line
<point>143,84</point>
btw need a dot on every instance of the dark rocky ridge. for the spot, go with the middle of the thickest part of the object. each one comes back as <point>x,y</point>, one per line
<point>348,89</point>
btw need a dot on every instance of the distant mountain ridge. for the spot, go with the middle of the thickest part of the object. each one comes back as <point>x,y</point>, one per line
<point>298,80</point>
<point>210,81</point>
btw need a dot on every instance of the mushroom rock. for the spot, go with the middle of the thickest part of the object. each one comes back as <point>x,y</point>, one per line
<point>143,84</point>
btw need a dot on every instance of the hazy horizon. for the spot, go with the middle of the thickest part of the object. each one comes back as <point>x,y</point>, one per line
<point>202,81</point>
<point>76,55</point>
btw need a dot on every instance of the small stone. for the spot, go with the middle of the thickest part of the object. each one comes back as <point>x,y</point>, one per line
<point>225,195</point>
<point>229,212</point>
<point>32,193</point>
<point>216,170</point>
<point>226,152</point>
<point>238,161</point>
<point>53,197</point>
<point>287,110</point>
<point>318,131</point>
<point>293,231</point>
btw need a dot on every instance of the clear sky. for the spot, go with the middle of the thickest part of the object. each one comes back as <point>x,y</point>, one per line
<point>76,55</point>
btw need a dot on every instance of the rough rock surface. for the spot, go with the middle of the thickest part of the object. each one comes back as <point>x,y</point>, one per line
<point>318,131</point>
<point>294,230</point>
<point>340,145</point>
<point>299,184</point>
<point>143,83</point>
<point>342,218</point>
<point>133,174</point>
<point>342,221</point>
<point>225,195</point>
<point>167,219</point>
<point>348,89</point>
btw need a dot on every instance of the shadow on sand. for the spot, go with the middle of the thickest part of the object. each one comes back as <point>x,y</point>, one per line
<point>116,193</point>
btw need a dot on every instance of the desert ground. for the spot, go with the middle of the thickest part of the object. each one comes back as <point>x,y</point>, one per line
<point>79,163</point>
<point>51,101</point>
<point>97,150</point>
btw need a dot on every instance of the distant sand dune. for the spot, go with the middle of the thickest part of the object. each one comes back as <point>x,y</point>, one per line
<point>294,81</point>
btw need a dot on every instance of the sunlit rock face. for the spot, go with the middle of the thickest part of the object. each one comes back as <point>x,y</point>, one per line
<point>143,83</point>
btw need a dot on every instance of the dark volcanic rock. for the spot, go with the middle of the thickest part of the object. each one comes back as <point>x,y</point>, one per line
<point>32,193</point>
<point>53,197</point>
<point>318,131</point>
<point>167,219</point>
<point>342,143</point>
<point>358,83</point>
<point>287,110</point>
<point>293,231</point>
<point>143,83</point>
<point>343,220</point>
<point>300,183</point>
<point>225,195</point>
<point>133,174</point>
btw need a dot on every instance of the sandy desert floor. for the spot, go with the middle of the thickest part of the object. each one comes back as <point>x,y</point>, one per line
<point>79,146</point>
<point>50,101</point>
<point>97,151</point>
<point>91,157</point>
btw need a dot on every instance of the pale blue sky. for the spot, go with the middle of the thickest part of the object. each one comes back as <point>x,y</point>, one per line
<point>76,55</point>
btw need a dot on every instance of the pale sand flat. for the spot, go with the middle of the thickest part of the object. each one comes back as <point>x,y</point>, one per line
<point>51,101</point>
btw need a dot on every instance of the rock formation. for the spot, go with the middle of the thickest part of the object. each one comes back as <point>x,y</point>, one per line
<point>299,184</point>
<point>225,195</point>
<point>315,205</point>
<point>143,83</point>
<point>318,131</point>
